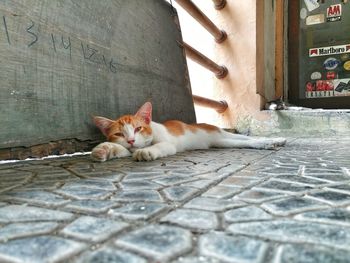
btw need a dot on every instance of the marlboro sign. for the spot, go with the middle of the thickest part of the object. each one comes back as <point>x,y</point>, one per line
<point>327,51</point>
<point>334,13</point>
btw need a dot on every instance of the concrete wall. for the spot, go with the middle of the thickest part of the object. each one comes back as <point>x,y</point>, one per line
<point>63,61</point>
<point>239,54</point>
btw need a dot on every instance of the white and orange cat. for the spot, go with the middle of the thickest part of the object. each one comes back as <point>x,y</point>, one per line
<point>145,140</point>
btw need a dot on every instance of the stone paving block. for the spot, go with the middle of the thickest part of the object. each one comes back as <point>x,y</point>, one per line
<point>108,176</point>
<point>137,195</point>
<point>231,248</point>
<point>212,176</point>
<point>89,183</point>
<point>187,172</point>
<point>344,188</point>
<point>292,205</point>
<point>36,197</point>
<point>222,191</point>
<point>249,174</point>
<point>244,214</point>
<point>283,187</point>
<point>301,180</point>
<point>199,184</point>
<point>138,210</point>
<point>160,242</point>
<point>12,172</point>
<point>64,176</point>
<point>331,197</point>
<point>8,187</point>
<point>39,249</point>
<point>328,177</point>
<point>91,206</point>
<point>278,170</point>
<point>196,220</point>
<point>296,231</point>
<point>93,229</point>
<point>231,169</point>
<point>21,213</point>
<point>14,176</point>
<point>142,175</point>
<point>140,185</point>
<point>179,193</point>
<point>302,254</point>
<point>110,255</point>
<point>43,185</point>
<point>171,180</point>
<point>239,181</point>
<point>213,204</point>
<point>84,193</point>
<point>197,259</point>
<point>18,230</point>
<point>258,196</point>
<point>323,170</point>
<point>339,216</point>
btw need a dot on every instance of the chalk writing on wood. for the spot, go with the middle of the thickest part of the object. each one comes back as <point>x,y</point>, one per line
<point>60,41</point>
<point>34,35</point>
<point>6,30</point>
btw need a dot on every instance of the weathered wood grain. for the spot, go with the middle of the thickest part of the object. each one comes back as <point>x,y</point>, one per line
<point>63,61</point>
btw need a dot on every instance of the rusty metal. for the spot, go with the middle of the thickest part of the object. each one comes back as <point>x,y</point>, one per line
<point>197,14</point>
<point>219,71</point>
<point>219,4</point>
<point>220,106</point>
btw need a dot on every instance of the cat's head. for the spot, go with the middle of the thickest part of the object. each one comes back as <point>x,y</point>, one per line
<point>130,131</point>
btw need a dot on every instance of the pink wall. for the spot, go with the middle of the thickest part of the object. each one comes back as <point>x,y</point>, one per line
<point>237,53</point>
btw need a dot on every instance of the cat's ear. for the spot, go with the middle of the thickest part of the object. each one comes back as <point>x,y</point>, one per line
<point>145,112</point>
<point>102,123</point>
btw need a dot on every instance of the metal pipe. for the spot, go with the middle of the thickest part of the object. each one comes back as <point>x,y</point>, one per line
<point>219,4</point>
<point>197,14</point>
<point>219,71</point>
<point>219,106</point>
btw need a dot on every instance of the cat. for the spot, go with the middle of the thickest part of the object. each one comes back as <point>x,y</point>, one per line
<point>138,136</point>
<point>277,104</point>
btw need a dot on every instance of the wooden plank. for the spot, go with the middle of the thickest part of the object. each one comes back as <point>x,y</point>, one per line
<point>63,61</point>
<point>260,48</point>
<point>279,48</point>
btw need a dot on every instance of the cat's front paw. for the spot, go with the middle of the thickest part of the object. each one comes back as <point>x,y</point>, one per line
<point>280,141</point>
<point>274,143</point>
<point>146,154</point>
<point>99,154</point>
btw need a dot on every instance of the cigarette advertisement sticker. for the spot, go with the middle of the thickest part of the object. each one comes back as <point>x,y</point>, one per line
<point>331,63</point>
<point>334,13</point>
<point>327,88</point>
<point>331,50</point>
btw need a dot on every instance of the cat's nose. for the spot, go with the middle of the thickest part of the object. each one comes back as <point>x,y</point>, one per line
<point>131,141</point>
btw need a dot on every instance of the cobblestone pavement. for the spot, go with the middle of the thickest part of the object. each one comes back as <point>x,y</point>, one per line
<point>236,205</point>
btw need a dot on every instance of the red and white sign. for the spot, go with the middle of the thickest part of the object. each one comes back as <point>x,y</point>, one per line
<point>327,51</point>
<point>331,75</point>
<point>334,13</point>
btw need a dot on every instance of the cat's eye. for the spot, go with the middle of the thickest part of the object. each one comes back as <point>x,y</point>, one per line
<point>119,134</point>
<point>138,129</point>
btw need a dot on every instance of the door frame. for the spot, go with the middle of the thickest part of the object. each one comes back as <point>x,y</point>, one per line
<point>271,34</point>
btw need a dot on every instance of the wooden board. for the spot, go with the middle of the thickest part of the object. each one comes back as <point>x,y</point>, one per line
<point>63,61</point>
